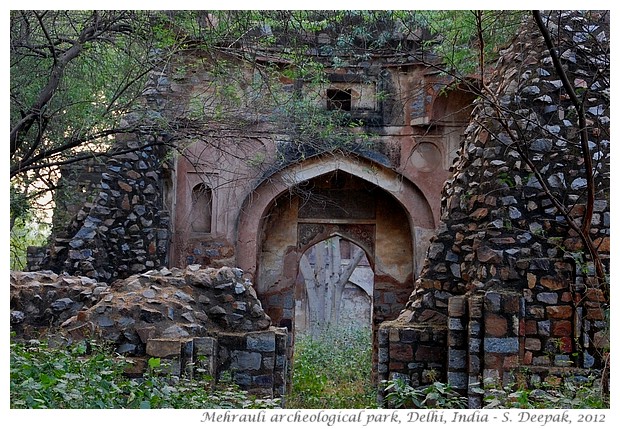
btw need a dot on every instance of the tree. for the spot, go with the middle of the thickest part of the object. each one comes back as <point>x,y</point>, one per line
<point>74,74</point>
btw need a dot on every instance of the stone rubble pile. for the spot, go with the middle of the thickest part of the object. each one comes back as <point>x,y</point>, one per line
<point>166,303</point>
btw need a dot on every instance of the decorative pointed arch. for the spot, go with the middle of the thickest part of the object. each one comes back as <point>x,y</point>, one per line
<point>256,206</point>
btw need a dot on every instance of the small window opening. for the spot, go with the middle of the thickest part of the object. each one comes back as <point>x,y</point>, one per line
<point>202,205</point>
<point>338,99</point>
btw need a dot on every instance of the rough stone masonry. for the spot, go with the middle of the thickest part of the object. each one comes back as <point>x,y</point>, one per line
<point>508,289</point>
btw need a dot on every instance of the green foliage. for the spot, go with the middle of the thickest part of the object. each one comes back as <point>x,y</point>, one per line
<point>85,376</point>
<point>25,233</point>
<point>437,395</point>
<point>333,371</point>
<point>456,36</point>
<point>571,393</point>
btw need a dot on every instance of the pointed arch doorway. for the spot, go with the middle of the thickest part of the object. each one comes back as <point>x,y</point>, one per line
<point>334,288</point>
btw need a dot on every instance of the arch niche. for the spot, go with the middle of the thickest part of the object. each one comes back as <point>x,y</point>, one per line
<point>365,203</point>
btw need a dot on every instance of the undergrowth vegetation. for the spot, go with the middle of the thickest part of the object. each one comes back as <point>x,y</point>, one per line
<point>86,376</point>
<point>333,370</point>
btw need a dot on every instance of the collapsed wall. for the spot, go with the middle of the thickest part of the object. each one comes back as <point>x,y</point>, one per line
<point>207,319</point>
<point>508,287</point>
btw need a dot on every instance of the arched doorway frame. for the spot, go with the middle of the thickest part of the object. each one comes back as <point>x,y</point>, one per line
<point>369,254</point>
<point>256,206</point>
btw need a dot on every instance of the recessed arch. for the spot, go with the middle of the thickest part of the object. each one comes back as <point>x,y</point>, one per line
<point>256,206</point>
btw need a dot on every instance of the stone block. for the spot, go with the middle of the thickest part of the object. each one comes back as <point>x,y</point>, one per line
<point>492,302</point>
<point>594,313</point>
<point>455,324</point>
<point>401,352</point>
<point>243,379</point>
<point>383,355</point>
<point>547,297</point>
<point>457,359</point>
<point>456,338</point>
<point>511,362</point>
<point>501,345</point>
<point>535,311</point>
<point>457,306</point>
<point>458,380</point>
<point>561,328</point>
<point>408,336</point>
<point>553,283</point>
<point>474,364</point>
<point>429,354</point>
<point>560,312</point>
<point>544,328</point>
<point>394,335</point>
<point>265,380</point>
<point>163,347</point>
<point>533,344</point>
<point>243,360</point>
<point>541,361</point>
<point>261,342</point>
<point>495,325</point>
<point>490,378</point>
<point>511,304</point>
<point>205,346</point>
<point>531,328</point>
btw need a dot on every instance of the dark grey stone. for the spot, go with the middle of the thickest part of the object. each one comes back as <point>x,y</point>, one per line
<point>242,360</point>
<point>261,342</point>
<point>61,304</point>
<point>501,345</point>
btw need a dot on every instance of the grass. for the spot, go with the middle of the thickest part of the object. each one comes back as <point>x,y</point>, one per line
<point>333,371</point>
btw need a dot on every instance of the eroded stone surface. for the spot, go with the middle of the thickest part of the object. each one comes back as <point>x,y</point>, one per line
<point>158,304</point>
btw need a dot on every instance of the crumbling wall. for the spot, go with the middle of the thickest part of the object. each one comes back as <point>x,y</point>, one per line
<point>507,284</point>
<point>192,318</point>
<point>125,229</point>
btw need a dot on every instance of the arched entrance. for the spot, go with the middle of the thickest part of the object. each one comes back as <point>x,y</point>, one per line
<point>357,201</point>
<point>334,288</point>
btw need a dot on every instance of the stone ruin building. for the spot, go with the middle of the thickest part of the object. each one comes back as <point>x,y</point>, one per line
<point>466,270</point>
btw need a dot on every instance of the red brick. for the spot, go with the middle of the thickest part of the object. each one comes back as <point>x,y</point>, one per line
<point>566,297</point>
<point>527,358</point>
<point>531,327</point>
<point>396,365</point>
<point>402,352</point>
<point>431,354</point>
<point>578,210</point>
<point>594,313</point>
<point>495,326</point>
<point>511,304</point>
<point>492,361</point>
<point>573,244</point>
<point>595,295</point>
<point>560,312</point>
<point>553,283</point>
<point>602,244</point>
<point>511,361</point>
<point>566,345</point>
<point>561,328</point>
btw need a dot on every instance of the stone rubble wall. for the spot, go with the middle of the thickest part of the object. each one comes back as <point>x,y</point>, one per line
<point>506,284</point>
<point>192,318</point>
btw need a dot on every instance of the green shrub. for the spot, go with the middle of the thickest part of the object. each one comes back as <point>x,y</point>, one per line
<point>88,376</point>
<point>333,370</point>
<point>437,395</point>
<point>572,393</point>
